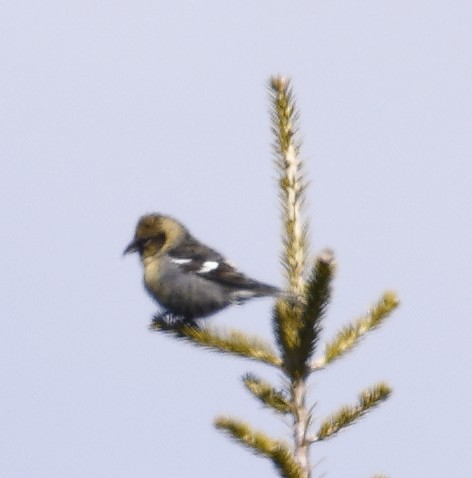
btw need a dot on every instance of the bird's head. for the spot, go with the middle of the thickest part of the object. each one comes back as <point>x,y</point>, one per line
<point>155,234</point>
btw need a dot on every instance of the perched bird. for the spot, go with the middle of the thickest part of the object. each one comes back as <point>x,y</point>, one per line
<point>187,278</point>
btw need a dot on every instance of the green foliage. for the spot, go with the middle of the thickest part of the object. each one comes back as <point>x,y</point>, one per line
<point>346,416</point>
<point>291,182</point>
<point>267,394</point>
<point>299,323</point>
<point>317,296</point>
<point>232,342</point>
<point>277,451</point>
<point>349,336</point>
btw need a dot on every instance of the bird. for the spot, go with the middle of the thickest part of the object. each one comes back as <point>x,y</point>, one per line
<point>188,279</point>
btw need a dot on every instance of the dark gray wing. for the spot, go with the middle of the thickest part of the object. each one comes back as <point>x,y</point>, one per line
<point>193,257</point>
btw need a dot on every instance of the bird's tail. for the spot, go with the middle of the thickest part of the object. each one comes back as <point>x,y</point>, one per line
<point>288,296</point>
<point>266,290</point>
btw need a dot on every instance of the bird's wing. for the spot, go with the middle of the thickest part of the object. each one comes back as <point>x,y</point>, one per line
<point>192,257</point>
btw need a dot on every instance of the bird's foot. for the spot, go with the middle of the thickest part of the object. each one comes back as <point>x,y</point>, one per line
<point>168,320</point>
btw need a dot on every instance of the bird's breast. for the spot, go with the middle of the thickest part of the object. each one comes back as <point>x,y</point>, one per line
<point>151,273</point>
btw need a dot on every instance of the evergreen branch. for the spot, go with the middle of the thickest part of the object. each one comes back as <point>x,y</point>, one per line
<point>346,416</point>
<point>317,296</point>
<point>261,444</point>
<point>303,319</point>
<point>291,181</point>
<point>231,342</point>
<point>349,336</point>
<point>267,394</point>
<point>287,315</point>
<point>286,320</point>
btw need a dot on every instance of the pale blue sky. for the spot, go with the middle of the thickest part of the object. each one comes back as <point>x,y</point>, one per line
<point>113,109</point>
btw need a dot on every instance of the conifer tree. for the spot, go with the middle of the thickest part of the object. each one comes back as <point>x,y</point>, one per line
<point>296,323</point>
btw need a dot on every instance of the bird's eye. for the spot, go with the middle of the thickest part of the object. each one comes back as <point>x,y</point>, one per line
<point>157,241</point>
<point>161,238</point>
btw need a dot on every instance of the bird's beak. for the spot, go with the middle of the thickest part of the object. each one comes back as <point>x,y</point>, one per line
<point>131,247</point>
